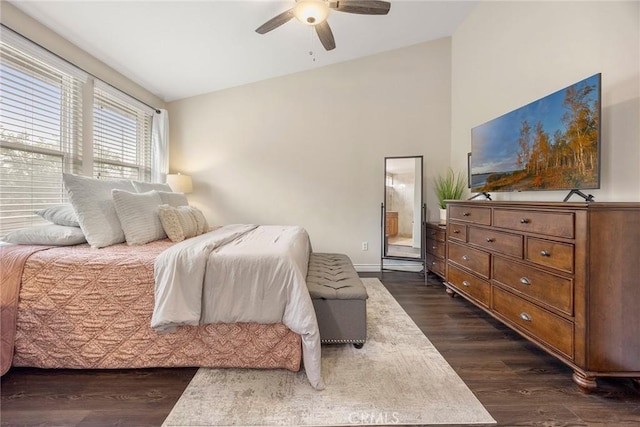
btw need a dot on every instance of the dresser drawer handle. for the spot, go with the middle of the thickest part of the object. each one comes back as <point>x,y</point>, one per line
<point>434,247</point>
<point>490,239</point>
<point>466,213</point>
<point>433,263</point>
<point>524,221</point>
<point>456,231</point>
<point>465,258</point>
<point>525,281</point>
<point>545,253</point>
<point>465,283</point>
<point>525,317</point>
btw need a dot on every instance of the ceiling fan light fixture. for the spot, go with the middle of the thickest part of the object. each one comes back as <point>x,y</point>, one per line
<point>311,12</point>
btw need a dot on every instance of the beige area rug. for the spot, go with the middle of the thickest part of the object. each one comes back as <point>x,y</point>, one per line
<point>398,377</point>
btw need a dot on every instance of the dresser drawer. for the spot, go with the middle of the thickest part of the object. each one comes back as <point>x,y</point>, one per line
<point>472,259</point>
<point>467,283</point>
<point>550,254</point>
<point>547,327</point>
<point>436,234</point>
<point>457,232</point>
<point>436,247</point>
<point>472,214</point>
<point>435,265</point>
<point>557,224</point>
<point>547,288</point>
<point>496,241</point>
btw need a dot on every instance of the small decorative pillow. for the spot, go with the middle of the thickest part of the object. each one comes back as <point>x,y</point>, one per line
<point>138,215</point>
<point>182,222</point>
<point>201,221</point>
<point>53,235</point>
<point>91,200</point>
<point>61,215</point>
<point>173,199</point>
<point>143,187</point>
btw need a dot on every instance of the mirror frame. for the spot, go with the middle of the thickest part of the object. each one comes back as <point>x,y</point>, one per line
<point>383,211</point>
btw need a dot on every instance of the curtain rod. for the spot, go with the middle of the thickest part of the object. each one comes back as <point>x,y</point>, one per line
<point>155,109</point>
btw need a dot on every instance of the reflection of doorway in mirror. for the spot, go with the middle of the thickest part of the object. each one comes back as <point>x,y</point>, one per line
<point>400,214</point>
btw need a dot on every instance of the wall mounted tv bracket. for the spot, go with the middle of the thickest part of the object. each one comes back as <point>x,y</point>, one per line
<point>587,197</point>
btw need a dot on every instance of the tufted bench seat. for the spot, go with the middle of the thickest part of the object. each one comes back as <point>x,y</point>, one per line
<point>339,299</point>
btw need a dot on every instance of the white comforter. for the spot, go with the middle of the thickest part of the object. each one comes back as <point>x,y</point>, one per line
<point>240,273</point>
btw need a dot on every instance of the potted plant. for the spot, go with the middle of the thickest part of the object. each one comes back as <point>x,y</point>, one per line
<point>449,186</point>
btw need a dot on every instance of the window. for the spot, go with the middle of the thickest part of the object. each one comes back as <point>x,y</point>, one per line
<point>40,130</point>
<point>121,136</point>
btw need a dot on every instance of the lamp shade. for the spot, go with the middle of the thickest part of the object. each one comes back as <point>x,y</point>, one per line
<point>180,183</point>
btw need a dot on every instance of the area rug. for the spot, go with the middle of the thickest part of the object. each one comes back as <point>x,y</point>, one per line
<point>398,377</point>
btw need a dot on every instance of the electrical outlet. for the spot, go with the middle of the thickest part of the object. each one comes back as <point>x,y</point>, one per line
<point>365,246</point>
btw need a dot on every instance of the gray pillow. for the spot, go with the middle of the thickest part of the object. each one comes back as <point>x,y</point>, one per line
<point>143,187</point>
<point>138,215</point>
<point>61,215</point>
<point>53,235</point>
<point>173,199</point>
<point>92,201</point>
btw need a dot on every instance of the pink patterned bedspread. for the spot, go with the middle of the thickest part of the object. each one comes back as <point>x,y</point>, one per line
<point>91,308</point>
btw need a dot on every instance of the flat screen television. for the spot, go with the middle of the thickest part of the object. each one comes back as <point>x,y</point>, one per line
<point>550,144</point>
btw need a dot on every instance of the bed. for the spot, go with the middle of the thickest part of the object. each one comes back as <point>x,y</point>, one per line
<point>81,307</point>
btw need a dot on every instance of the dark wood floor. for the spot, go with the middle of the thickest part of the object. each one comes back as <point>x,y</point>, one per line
<point>519,384</point>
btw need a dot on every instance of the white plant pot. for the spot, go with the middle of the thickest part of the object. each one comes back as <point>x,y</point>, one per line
<point>443,216</point>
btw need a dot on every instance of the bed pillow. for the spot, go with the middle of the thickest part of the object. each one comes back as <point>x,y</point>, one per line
<point>50,235</point>
<point>173,199</point>
<point>201,221</point>
<point>91,199</point>
<point>143,187</point>
<point>138,215</point>
<point>182,222</point>
<point>60,215</point>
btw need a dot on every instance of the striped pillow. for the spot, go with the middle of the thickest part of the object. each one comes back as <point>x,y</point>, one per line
<point>138,215</point>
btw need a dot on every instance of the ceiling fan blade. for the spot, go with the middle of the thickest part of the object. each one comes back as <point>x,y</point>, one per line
<point>362,7</point>
<point>275,22</point>
<point>325,35</point>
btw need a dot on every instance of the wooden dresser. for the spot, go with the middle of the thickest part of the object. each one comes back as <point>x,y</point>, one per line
<point>564,275</point>
<point>435,248</point>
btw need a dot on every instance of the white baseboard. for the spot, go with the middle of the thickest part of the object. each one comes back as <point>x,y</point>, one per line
<point>367,268</point>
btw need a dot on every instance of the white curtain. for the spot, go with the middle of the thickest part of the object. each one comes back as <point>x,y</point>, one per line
<point>160,146</point>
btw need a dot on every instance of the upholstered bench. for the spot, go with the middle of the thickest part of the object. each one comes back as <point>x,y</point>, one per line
<point>339,298</point>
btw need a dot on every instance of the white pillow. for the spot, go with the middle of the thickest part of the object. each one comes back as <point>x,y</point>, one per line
<point>173,199</point>
<point>138,215</point>
<point>182,222</point>
<point>92,201</point>
<point>143,187</point>
<point>53,235</point>
<point>61,215</point>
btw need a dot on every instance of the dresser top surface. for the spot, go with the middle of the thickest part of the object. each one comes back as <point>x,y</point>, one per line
<point>550,205</point>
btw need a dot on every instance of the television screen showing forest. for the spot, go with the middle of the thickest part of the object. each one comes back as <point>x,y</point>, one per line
<point>550,144</point>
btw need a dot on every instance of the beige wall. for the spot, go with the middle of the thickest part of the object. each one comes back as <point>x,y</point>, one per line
<point>507,54</point>
<point>13,18</point>
<point>309,148</point>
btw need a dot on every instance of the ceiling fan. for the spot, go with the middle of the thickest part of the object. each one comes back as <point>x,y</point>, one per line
<point>315,12</point>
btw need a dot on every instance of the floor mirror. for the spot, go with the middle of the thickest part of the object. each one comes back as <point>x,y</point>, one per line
<point>403,211</point>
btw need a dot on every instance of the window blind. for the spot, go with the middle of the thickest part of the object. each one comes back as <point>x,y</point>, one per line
<point>40,129</point>
<point>121,135</point>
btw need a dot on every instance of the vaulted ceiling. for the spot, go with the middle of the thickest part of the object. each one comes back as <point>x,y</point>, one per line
<point>178,49</point>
